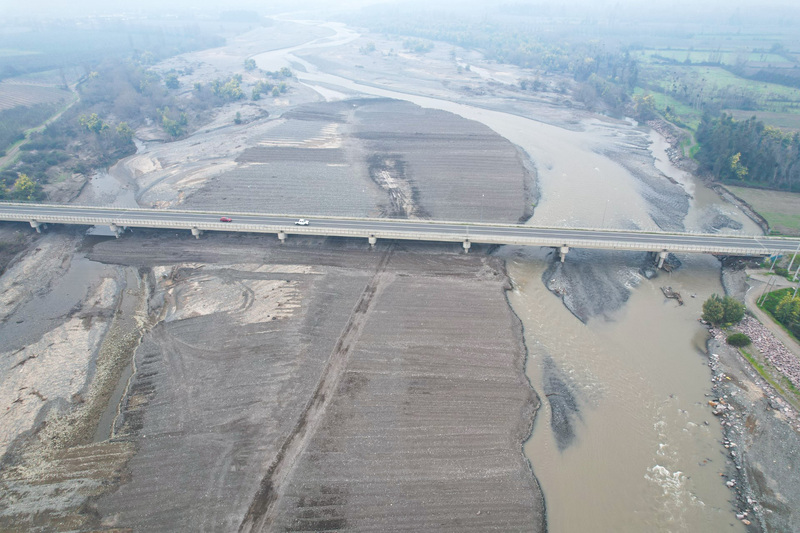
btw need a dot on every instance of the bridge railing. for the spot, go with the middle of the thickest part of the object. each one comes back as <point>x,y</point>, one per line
<point>646,241</point>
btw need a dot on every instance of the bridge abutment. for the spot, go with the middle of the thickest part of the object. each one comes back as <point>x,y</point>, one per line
<point>662,256</point>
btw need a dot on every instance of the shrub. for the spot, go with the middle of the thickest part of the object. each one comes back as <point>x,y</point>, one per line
<point>725,310</point>
<point>738,339</point>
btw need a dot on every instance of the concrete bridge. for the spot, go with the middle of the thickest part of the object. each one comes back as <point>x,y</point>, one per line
<point>197,222</point>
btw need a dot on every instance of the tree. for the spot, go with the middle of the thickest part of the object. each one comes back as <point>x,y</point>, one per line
<point>788,310</point>
<point>26,189</point>
<point>644,107</point>
<point>734,310</point>
<point>92,123</point>
<point>238,118</point>
<point>713,310</point>
<point>171,81</point>
<point>250,64</point>
<point>738,170</point>
<point>124,132</point>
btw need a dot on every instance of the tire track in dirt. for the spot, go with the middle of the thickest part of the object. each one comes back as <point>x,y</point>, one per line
<point>259,515</point>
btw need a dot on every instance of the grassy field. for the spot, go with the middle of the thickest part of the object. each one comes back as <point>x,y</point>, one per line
<point>690,117</point>
<point>683,55</point>
<point>772,97</point>
<point>775,105</point>
<point>780,209</point>
<point>784,121</point>
<point>770,303</point>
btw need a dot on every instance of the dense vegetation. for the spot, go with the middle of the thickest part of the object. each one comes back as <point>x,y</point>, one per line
<point>785,308</point>
<point>738,339</point>
<point>749,152</point>
<point>59,44</point>
<point>718,311</point>
<point>15,121</point>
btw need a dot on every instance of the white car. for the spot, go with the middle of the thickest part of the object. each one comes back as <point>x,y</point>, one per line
<point>301,222</point>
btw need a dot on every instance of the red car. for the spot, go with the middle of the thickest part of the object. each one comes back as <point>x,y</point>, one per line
<point>226,219</point>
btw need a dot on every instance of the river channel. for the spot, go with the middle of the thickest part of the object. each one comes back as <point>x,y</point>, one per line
<point>646,453</point>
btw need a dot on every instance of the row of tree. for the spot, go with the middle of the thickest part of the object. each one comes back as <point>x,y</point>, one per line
<point>749,151</point>
<point>788,313</point>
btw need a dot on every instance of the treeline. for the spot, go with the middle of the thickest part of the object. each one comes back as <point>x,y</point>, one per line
<point>117,98</point>
<point>785,307</point>
<point>748,151</point>
<point>63,44</point>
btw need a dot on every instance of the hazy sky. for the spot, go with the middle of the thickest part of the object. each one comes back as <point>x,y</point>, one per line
<point>62,8</point>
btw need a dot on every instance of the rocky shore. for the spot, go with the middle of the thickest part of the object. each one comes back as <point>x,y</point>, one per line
<point>762,430</point>
<point>774,350</point>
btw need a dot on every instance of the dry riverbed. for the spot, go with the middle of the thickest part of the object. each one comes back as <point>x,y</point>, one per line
<point>391,378</point>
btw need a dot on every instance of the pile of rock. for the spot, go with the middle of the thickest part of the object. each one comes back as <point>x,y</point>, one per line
<point>772,348</point>
<point>672,135</point>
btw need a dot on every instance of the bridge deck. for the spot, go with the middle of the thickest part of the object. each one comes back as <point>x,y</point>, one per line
<point>421,230</point>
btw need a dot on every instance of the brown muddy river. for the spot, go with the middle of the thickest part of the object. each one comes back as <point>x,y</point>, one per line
<point>646,453</point>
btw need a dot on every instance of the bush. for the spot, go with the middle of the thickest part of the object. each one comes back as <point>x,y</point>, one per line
<point>725,310</point>
<point>738,339</point>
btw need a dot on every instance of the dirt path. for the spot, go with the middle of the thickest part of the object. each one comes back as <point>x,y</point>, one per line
<point>260,515</point>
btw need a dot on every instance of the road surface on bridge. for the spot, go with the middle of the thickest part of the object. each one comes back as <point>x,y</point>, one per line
<point>422,230</point>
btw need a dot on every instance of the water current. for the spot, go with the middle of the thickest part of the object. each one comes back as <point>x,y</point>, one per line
<point>646,453</point>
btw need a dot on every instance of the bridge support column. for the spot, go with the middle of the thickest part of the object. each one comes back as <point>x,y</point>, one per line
<point>662,256</point>
<point>196,232</point>
<point>38,226</point>
<point>466,244</point>
<point>282,237</point>
<point>373,240</point>
<point>116,229</point>
<point>562,252</point>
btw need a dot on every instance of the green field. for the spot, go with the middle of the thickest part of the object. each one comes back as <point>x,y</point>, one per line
<point>771,96</point>
<point>672,85</point>
<point>690,117</point>
<point>784,121</point>
<point>780,209</point>
<point>683,55</point>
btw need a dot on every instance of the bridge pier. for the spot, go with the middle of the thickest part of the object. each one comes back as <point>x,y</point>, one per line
<point>466,244</point>
<point>196,232</point>
<point>282,237</point>
<point>562,252</point>
<point>662,256</point>
<point>116,229</point>
<point>373,240</point>
<point>37,226</point>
